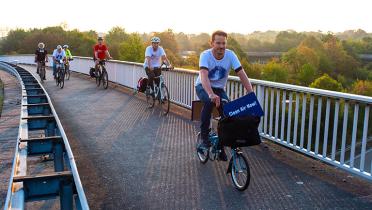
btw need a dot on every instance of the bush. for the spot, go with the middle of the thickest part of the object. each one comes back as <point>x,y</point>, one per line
<point>362,87</point>
<point>275,72</point>
<point>328,83</point>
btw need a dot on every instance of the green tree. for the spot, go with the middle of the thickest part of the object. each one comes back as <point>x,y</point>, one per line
<point>307,74</point>
<point>326,82</point>
<point>275,72</point>
<point>115,37</point>
<point>132,49</point>
<point>362,87</point>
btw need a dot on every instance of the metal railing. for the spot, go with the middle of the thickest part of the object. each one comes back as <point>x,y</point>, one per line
<point>327,125</point>
<point>41,133</point>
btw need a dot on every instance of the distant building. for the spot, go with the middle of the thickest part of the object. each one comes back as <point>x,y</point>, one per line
<point>263,57</point>
<point>187,53</point>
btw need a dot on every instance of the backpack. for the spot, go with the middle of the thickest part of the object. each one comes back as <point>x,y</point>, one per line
<point>142,84</point>
<point>91,72</point>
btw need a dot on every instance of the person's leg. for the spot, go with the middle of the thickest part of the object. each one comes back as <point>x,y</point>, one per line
<point>38,68</point>
<point>54,69</point>
<point>222,94</point>
<point>157,72</point>
<point>150,74</point>
<point>206,112</point>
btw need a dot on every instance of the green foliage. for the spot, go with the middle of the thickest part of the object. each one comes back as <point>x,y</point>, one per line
<point>132,49</point>
<point>326,82</point>
<point>253,70</point>
<point>275,72</point>
<point>115,37</point>
<point>362,87</point>
<point>307,74</point>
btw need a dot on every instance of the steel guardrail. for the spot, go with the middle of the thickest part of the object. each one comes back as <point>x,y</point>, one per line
<point>38,113</point>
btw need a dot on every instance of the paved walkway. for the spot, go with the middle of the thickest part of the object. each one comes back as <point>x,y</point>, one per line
<point>130,157</point>
<point>9,124</point>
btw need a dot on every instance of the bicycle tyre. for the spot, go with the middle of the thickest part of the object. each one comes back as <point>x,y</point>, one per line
<point>150,100</point>
<point>62,79</point>
<point>67,73</point>
<point>203,155</point>
<point>42,74</point>
<point>57,77</point>
<point>164,101</point>
<point>104,78</point>
<point>242,183</point>
<point>98,77</point>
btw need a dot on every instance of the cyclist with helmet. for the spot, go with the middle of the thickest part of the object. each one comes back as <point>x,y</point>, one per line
<point>41,56</point>
<point>58,54</point>
<point>67,52</point>
<point>100,52</point>
<point>68,59</point>
<point>154,57</point>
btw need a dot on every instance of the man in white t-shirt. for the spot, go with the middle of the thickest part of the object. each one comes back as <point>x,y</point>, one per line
<point>154,57</point>
<point>58,55</point>
<point>215,65</point>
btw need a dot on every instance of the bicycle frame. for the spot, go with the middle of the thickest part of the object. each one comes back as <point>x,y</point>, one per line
<point>158,88</point>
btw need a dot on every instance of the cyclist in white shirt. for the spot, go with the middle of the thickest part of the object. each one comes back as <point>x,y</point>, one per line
<point>58,54</point>
<point>154,57</point>
<point>215,65</point>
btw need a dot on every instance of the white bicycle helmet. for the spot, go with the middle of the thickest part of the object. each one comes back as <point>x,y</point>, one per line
<point>155,39</point>
<point>41,45</point>
<point>59,47</point>
<point>65,46</point>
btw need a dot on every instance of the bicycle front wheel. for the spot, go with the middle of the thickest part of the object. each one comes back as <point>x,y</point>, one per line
<point>62,79</point>
<point>57,77</point>
<point>67,74</point>
<point>98,77</point>
<point>42,74</point>
<point>164,100</point>
<point>105,79</point>
<point>203,153</point>
<point>240,173</point>
<point>150,99</point>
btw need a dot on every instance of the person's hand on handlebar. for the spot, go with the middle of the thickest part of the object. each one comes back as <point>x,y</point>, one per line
<point>215,99</point>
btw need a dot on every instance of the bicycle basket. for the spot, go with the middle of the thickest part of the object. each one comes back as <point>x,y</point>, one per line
<point>141,84</point>
<point>239,131</point>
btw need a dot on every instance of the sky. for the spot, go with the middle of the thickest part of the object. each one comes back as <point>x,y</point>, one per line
<point>190,16</point>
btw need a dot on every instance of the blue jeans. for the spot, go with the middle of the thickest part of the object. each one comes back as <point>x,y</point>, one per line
<point>54,69</point>
<point>207,109</point>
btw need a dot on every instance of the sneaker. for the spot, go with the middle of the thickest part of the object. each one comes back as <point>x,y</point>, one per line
<point>222,156</point>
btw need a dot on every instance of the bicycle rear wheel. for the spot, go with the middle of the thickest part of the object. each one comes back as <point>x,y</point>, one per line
<point>203,153</point>
<point>164,99</point>
<point>240,173</point>
<point>104,79</point>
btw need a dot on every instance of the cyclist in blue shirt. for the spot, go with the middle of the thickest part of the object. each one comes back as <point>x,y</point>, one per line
<point>215,65</point>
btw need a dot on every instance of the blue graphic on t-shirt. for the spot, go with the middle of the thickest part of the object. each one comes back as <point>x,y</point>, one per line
<point>217,73</point>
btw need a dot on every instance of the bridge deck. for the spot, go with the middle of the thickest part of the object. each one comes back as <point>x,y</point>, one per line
<point>130,157</point>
